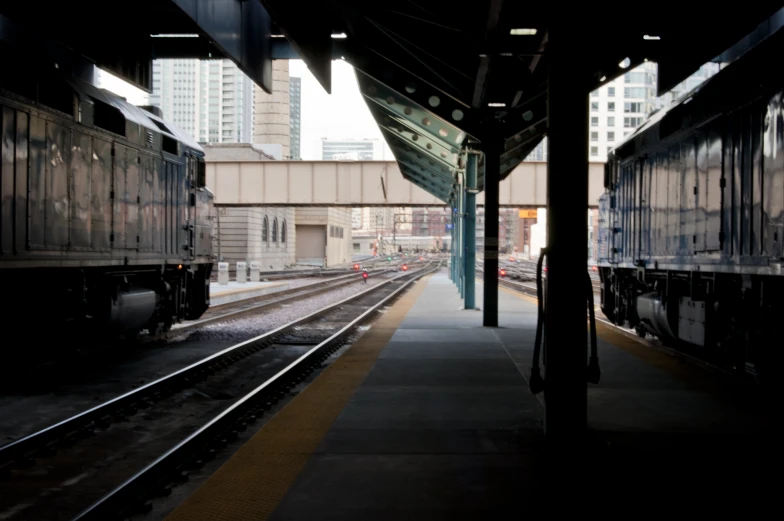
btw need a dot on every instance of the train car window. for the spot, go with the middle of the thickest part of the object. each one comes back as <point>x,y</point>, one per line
<point>201,174</point>
<point>108,117</point>
<point>170,145</point>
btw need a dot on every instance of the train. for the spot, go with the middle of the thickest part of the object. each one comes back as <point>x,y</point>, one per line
<point>692,220</point>
<point>106,220</point>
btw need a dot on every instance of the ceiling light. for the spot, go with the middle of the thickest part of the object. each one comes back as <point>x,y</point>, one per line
<point>496,104</point>
<point>603,78</point>
<point>522,32</point>
<point>505,54</point>
<point>625,63</point>
<point>339,36</point>
<point>649,37</point>
<point>174,36</point>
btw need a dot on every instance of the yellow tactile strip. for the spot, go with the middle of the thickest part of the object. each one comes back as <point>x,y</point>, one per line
<point>251,484</point>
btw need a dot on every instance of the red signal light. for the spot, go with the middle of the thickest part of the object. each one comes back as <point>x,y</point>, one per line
<point>405,268</point>
<point>503,273</point>
<point>365,275</point>
<point>356,266</point>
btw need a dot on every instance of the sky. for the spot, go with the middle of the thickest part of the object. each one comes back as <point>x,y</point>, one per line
<point>343,114</point>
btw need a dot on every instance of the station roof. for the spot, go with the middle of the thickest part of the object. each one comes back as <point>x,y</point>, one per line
<point>455,72</point>
<point>439,76</point>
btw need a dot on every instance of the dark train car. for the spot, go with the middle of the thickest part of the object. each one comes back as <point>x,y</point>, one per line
<point>693,219</point>
<point>105,217</point>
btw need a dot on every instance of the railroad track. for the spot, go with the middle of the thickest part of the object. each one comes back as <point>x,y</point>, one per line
<point>234,310</point>
<point>109,460</point>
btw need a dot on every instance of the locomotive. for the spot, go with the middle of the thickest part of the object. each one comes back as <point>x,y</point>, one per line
<point>105,218</point>
<point>692,220</point>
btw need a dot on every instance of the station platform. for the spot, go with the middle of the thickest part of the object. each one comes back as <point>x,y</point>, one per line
<point>428,416</point>
<point>234,291</point>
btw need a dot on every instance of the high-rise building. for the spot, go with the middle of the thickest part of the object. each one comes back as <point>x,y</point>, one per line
<point>295,99</point>
<point>211,100</point>
<point>356,149</point>
<point>272,112</point>
<point>620,106</point>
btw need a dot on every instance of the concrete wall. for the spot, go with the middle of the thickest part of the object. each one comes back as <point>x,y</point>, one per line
<point>237,236</point>
<point>338,248</point>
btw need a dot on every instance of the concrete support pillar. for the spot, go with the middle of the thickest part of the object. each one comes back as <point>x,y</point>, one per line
<point>470,231</point>
<point>567,224</point>
<point>460,236</point>
<point>493,146</point>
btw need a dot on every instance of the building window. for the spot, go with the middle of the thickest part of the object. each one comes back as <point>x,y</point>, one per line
<point>610,121</point>
<point>594,136</point>
<point>611,106</point>
<point>341,232</point>
<point>595,94</point>
<point>594,151</point>
<point>611,92</point>
<point>265,229</point>
<point>595,121</point>
<point>632,122</point>
<point>283,231</point>
<point>633,107</point>
<point>275,229</point>
<point>608,150</point>
<point>594,105</point>
<point>611,137</point>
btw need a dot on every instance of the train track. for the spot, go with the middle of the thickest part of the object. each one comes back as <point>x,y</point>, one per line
<point>92,465</point>
<point>234,310</point>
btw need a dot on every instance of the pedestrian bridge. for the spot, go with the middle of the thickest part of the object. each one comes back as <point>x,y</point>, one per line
<point>364,183</point>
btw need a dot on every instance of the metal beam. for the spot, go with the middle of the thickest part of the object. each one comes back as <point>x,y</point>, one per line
<point>240,29</point>
<point>567,222</point>
<point>492,147</point>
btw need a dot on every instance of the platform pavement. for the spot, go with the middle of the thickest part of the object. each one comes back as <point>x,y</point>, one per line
<point>235,291</point>
<point>444,427</point>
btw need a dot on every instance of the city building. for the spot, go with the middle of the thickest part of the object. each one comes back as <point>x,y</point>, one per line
<point>620,106</point>
<point>295,101</point>
<point>272,111</point>
<point>356,149</point>
<point>211,100</point>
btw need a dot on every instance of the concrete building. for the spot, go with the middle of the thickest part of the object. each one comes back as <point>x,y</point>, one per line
<point>621,105</point>
<point>267,235</point>
<point>211,100</point>
<point>295,102</point>
<point>272,111</point>
<point>323,236</point>
<point>430,222</point>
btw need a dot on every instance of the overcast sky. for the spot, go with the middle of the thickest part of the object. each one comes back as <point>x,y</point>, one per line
<point>343,114</point>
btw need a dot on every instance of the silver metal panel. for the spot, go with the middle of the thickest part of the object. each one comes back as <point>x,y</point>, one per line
<point>674,200</point>
<point>715,195</point>
<point>688,197</point>
<point>119,167</point>
<point>691,321</point>
<point>701,199</point>
<point>100,194</point>
<point>58,144</point>
<point>159,192</point>
<point>773,178</point>
<point>37,184</point>
<point>22,157</point>
<point>7,178</point>
<point>147,185</point>
<point>757,247</point>
<point>131,199</point>
<point>81,167</point>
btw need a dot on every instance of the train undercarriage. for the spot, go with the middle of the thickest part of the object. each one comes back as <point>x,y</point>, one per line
<point>103,302</point>
<point>730,320</point>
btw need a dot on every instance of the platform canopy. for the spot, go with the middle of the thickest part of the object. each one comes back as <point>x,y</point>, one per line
<point>441,76</point>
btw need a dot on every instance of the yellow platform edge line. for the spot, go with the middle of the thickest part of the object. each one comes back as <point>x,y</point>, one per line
<point>251,484</point>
